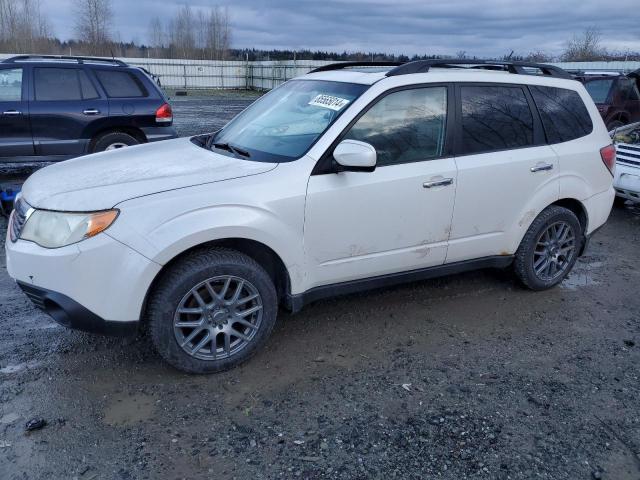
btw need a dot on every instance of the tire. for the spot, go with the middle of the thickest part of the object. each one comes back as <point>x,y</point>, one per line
<point>213,267</point>
<point>113,140</point>
<point>531,252</point>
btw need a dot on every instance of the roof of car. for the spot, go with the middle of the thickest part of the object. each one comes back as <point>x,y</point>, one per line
<point>57,59</point>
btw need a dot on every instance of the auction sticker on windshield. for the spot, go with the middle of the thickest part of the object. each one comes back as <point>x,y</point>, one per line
<point>329,101</point>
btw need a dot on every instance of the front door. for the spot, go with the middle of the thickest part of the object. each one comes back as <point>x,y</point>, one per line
<point>15,130</point>
<point>396,218</point>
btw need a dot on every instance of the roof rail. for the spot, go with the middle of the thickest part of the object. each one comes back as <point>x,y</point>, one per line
<point>423,66</point>
<point>26,58</point>
<point>341,65</point>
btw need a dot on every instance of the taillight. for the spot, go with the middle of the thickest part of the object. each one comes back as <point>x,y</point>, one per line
<point>164,114</point>
<point>608,155</point>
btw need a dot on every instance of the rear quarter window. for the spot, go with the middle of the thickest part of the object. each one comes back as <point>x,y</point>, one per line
<point>119,84</point>
<point>563,113</point>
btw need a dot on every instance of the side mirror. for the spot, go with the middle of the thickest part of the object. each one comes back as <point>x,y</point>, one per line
<point>355,156</point>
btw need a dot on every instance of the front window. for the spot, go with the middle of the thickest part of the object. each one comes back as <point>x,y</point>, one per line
<point>284,124</point>
<point>599,89</point>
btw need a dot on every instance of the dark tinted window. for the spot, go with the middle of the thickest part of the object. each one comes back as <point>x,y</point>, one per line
<point>405,126</point>
<point>10,84</point>
<point>495,118</point>
<point>563,113</point>
<point>120,84</point>
<point>629,90</point>
<point>57,84</point>
<point>88,90</point>
<point>599,89</point>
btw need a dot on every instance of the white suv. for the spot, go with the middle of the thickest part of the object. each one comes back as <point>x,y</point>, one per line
<point>349,178</point>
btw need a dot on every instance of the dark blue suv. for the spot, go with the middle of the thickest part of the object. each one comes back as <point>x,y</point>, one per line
<point>54,108</point>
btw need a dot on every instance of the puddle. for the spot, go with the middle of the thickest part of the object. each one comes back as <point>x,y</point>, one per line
<point>19,367</point>
<point>127,410</point>
<point>581,276</point>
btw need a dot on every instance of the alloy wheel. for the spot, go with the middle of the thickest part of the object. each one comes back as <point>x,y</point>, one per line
<point>554,251</point>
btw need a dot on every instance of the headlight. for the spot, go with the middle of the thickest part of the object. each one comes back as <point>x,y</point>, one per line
<point>57,229</point>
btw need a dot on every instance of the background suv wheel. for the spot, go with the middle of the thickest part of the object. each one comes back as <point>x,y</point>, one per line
<point>113,141</point>
<point>549,249</point>
<point>211,311</point>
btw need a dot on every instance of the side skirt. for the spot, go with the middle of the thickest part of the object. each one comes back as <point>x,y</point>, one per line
<point>296,302</point>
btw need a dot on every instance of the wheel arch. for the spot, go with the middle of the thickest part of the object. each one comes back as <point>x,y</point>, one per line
<point>135,132</point>
<point>264,255</point>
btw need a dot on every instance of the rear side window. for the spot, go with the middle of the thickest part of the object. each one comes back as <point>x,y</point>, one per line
<point>563,113</point>
<point>10,85</point>
<point>120,84</point>
<point>494,118</point>
<point>57,84</point>
<point>599,89</point>
<point>88,90</point>
<point>405,126</point>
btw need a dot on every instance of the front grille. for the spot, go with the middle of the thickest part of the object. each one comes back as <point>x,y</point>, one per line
<point>628,154</point>
<point>18,219</point>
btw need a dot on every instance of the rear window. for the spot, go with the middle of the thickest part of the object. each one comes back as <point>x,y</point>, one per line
<point>57,84</point>
<point>120,84</point>
<point>599,89</point>
<point>495,118</point>
<point>563,113</point>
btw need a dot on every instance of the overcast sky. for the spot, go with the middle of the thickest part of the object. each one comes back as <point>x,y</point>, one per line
<point>480,27</point>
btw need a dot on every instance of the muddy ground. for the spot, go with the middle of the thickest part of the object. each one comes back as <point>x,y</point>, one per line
<point>468,376</point>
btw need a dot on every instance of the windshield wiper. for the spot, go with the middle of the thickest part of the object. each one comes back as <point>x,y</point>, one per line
<point>230,148</point>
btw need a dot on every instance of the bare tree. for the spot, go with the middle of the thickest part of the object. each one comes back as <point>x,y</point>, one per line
<point>23,28</point>
<point>156,36</point>
<point>182,33</point>
<point>538,57</point>
<point>94,21</point>
<point>584,47</point>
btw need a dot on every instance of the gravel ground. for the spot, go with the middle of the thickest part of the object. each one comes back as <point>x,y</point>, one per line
<point>469,376</point>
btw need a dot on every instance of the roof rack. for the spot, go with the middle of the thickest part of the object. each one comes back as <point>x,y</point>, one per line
<point>26,58</point>
<point>519,68</point>
<point>423,66</point>
<point>341,65</point>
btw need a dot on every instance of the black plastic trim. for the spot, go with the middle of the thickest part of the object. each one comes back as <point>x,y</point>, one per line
<point>71,314</point>
<point>343,65</point>
<point>423,66</point>
<point>296,302</point>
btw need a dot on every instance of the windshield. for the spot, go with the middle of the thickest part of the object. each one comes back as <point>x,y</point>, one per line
<point>599,89</point>
<point>282,125</point>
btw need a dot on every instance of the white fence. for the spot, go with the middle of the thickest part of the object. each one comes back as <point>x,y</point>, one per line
<point>264,75</point>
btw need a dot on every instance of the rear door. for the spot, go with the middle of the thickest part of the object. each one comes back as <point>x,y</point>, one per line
<point>15,130</point>
<point>631,97</point>
<point>66,106</point>
<point>505,169</point>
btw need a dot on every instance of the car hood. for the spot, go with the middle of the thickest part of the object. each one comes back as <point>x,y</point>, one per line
<point>102,180</point>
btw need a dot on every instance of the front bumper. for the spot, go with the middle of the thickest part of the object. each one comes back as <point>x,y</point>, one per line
<point>627,182</point>
<point>88,285</point>
<point>69,313</point>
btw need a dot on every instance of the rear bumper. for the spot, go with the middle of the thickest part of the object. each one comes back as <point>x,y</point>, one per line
<point>155,134</point>
<point>627,182</point>
<point>71,314</point>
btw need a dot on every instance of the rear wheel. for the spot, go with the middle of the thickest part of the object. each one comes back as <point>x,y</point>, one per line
<point>613,124</point>
<point>211,311</point>
<point>549,249</point>
<point>113,141</point>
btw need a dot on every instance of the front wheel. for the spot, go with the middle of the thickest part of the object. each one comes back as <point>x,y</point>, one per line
<point>549,249</point>
<point>211,311</point>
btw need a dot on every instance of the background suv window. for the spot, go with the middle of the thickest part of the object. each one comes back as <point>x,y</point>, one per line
<point>57,84</point>
<point>563,113</point>
<point>11,85</point>
<point>495,118</point>
<point>120,84</point>
<point>405,126</point>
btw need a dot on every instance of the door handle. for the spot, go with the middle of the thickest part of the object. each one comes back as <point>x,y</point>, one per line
<point>438,183</point>
<point>542,167</point>
<point>12,113</point>
<point>91,111</point>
